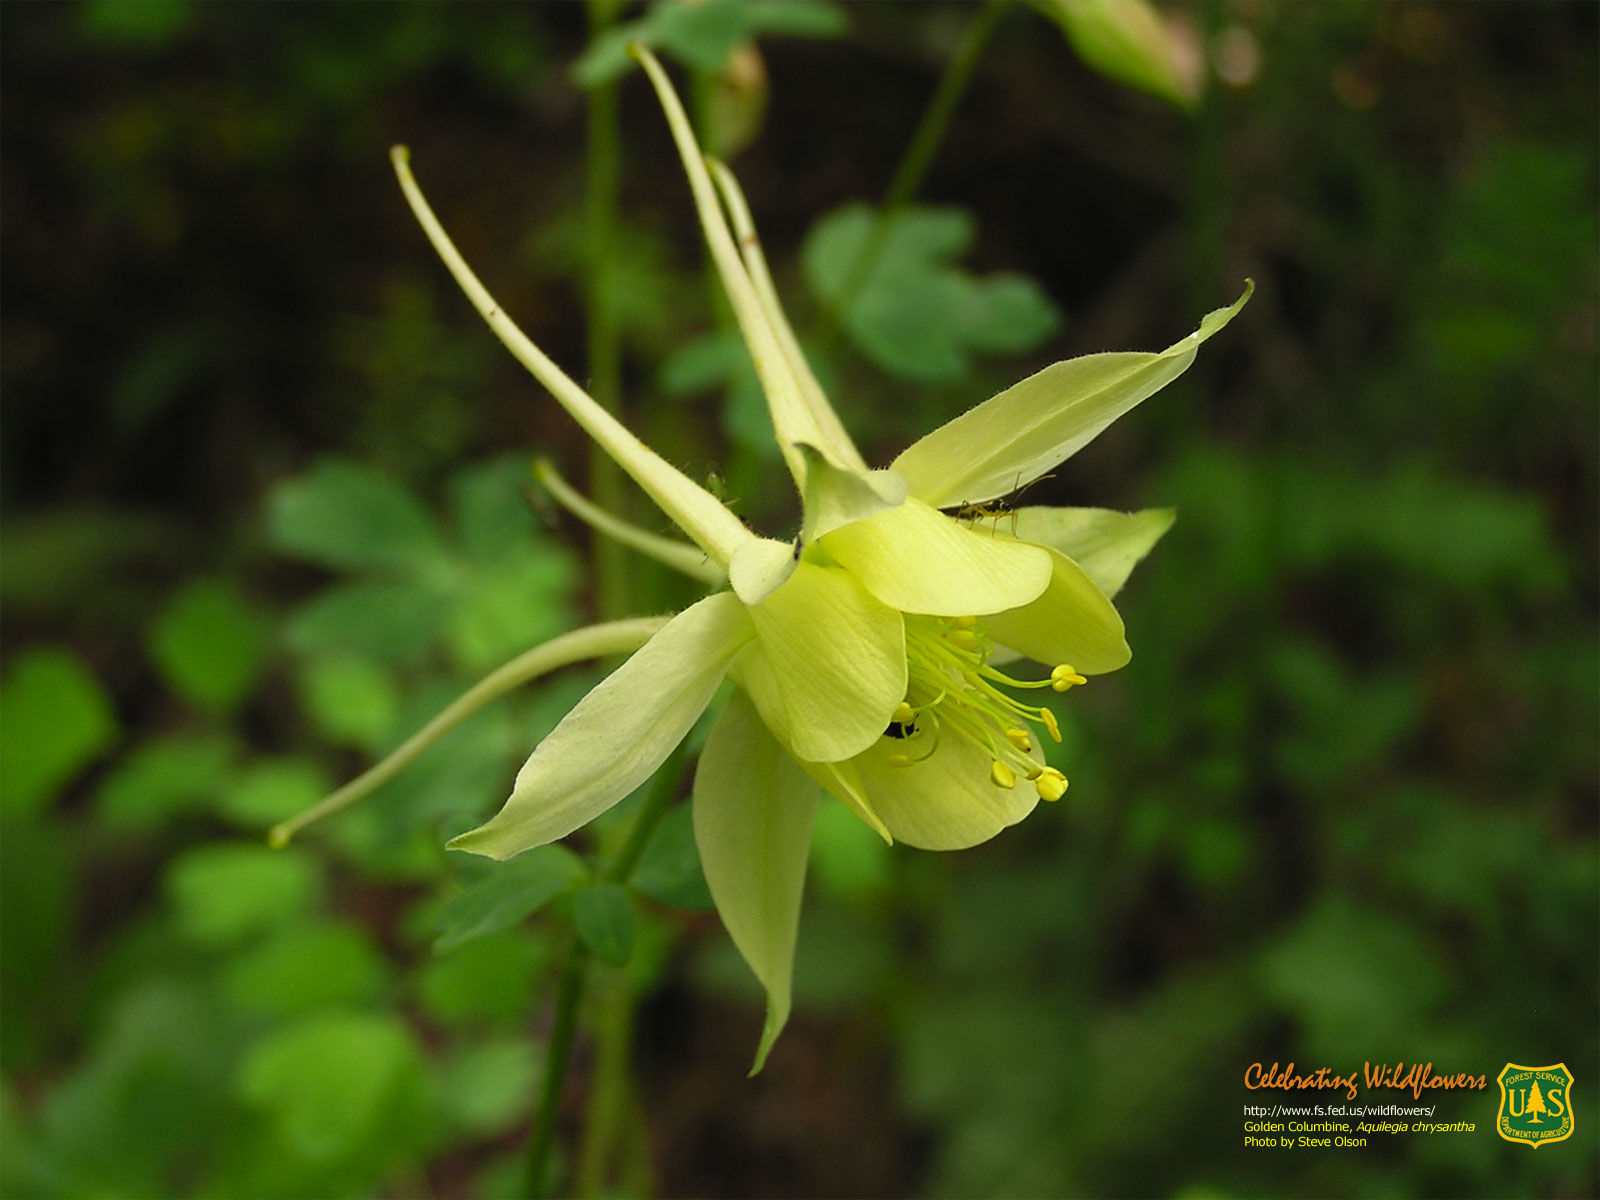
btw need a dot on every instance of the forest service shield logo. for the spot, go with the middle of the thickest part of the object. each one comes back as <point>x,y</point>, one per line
<point>1535,1104</point>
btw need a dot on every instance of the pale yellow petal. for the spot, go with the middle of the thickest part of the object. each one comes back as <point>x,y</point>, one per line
<point>836,496</point>
<point>753,808</point>
<point>760,567</point>
<point>1071,622</point>
<point>1106,544</point>
<point>835,442</point>
<point>792,418</point>
<point>945,803</point>
<point>1012,438</point>
<point>620,732</point>
<point>920,561</point>
<point>828,664</point>
<point>842,781</point>
<point>696,511</point>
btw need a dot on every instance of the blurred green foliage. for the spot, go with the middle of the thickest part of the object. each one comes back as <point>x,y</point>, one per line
<point>267,508</point>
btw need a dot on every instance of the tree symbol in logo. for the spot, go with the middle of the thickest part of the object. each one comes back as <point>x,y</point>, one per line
<point>1536,1104</point>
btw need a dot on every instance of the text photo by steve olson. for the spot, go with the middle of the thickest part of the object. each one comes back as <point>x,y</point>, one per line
<point>792,598</point>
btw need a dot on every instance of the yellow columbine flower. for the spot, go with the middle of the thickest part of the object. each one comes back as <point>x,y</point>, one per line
<point>864,649</point>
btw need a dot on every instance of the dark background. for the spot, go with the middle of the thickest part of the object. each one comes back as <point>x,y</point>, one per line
<point>1340,808</point>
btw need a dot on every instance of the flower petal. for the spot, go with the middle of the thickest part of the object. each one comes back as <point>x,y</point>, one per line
<point>760,567</point>
<point>696,511</point>
<point>1013,438</point>
<point>753,809</point>
<point>828,665</point>
<point>836,496</point>
<point>1072,622</point>
<point>843,782</point>
<point>1106,544</point>
<point>945,803</point>
<point>619,733</point>
<point>792,417</point>
<point>835,441</point>
<point>921,561</point>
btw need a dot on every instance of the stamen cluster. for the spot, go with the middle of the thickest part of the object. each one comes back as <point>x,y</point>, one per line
<point>952,686</point>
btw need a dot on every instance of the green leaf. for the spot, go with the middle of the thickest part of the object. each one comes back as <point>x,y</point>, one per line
<point>273,789</point>
<point>345,515</point>
<point>488,1087</point>
<point>164,777</point>
<point>490,505</point>
<point>669,868</point>
<point>850,860</point>
<point>523,601</point>
<point>916,314</point>
<point>604,916</point>
<point>1354,976</point>
<point>703,363</point>
<point>40,891</point>
<point>392,623</point>
<point>56,720</point>
<point>487,980</point>
<point>147,25</point>
<point>307,966</point>
<point>338,1087</point>
<point>1005,313</point>
<point>702,35</point>
<point>144,1097</point>
<point>1127,41</point>
<point>720,360</point>
<point>223,892</point>
<point>507,894</point>
<point>209,644</point>
<point>351,700</point>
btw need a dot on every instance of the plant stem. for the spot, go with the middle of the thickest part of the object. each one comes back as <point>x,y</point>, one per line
<point>615,1033</point>
<point>604,330</point>
<point>608,1095</point>
<point>914,164</point>
<point>558,1055</point>
<point>613,1026</point>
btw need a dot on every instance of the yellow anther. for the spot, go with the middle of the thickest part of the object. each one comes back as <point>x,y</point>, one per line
<point>1019,739</point>
<point>1048,720</point>
<point>1035,773</point>
<point>1064,677</point>
<point>1001,775</point>
<point>966,622</point>
<point>1052,784</point>
<point>904,714</point>
<point>965,638</point>
<point>898,760</point>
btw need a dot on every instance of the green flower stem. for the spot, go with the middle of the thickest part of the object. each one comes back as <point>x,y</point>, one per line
<point>594,641</point>
<point>908,176</point>
<point>608,1090</point>
<point>608,1096</point>
<point>569,999</point>
<point>604,327</point>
